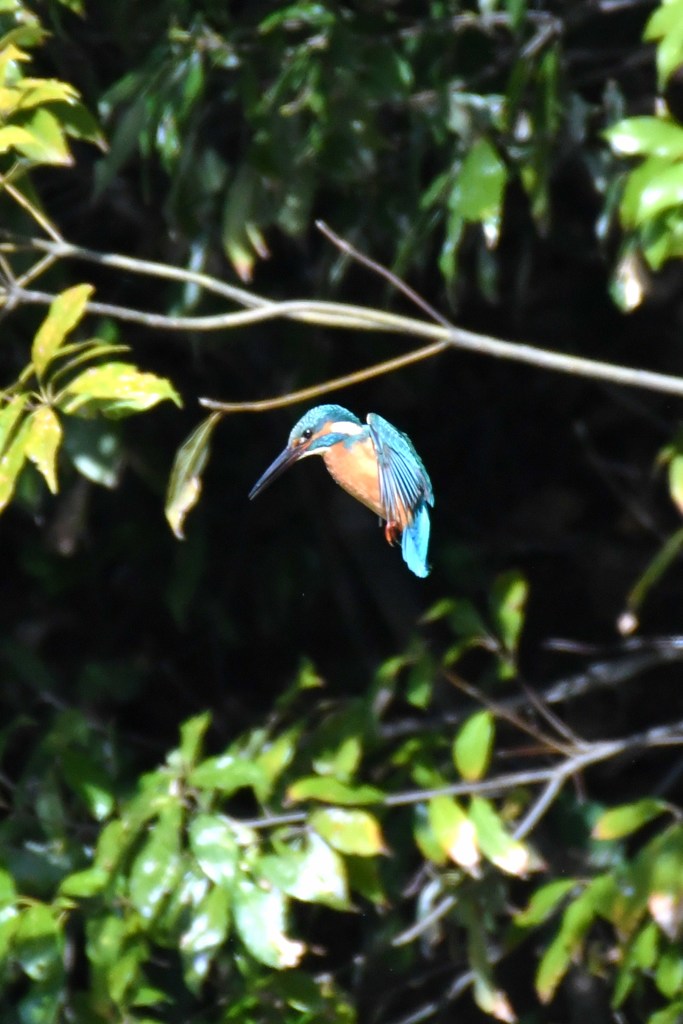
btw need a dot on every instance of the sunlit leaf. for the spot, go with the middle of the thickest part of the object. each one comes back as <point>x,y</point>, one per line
<point>349,831</point>
<point>332,791</point>
<point>65,312</point>
<point>185,481</point>
<point>621,821</point>
<point>212,841</point>
<point>42,443</point>
<point>37,942</point>
<point>209,923</point>
<point>510,855</point>
<point>646,136</point>
<point>558,956</point>
<point>544,902</point>
<point>116,389</point>
<point>156,869</point>
<point>454,832</point>
<point>473,745</point>
<point>260,919</point>
<point>227,773</point>
<point>47,143</point>
<point>508,603</point>
<point>12,462</point>
<point>312,872</point>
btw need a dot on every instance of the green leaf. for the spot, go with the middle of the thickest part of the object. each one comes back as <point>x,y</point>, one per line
<point>510,855</point>
<point>544,902</point>
<point>478,194</point>
<point>210,923</point>
<point>227,773</point>
<point>260,922</point>
<point>332,791</point>
<point>11,463</point>
<point>349,831</point>
<point>65,312</point>
<point>473,745</point>
<point>212,840</point>
<point>185,481</point>
<point>47,143</point>
<point>454,832</point>
<point>82,884</point>
<point>9,418</point>
<point>621,821</point>
<point>192,734</point>
<point>312,873</point>
<point>666,24</point>
<point>508,603</point>
<point>88,779</point>
<point>669,972</point>
<point>557,958</point>
<point>37,943</point>
<point>676,480</point>
<point>672,1014</point>
<point>116,389</point>
<point>157,867</point>
<point>42,444</point>
<point>646,136</point>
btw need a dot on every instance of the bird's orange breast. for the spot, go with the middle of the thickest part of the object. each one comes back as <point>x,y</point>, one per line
<point>354,467</point>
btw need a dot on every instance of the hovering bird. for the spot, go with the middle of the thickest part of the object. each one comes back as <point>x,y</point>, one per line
<point>375,463</point>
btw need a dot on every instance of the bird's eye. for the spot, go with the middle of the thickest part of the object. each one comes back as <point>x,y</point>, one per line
<point>306,434</point>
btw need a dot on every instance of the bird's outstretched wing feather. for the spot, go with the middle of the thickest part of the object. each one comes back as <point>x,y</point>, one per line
<point>403,481</point>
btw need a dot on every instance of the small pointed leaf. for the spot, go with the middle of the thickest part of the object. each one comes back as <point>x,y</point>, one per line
<point>65,312</point>
<point>42,444</point>
<point>116,389</point>
<point>185,481</point>
<point>473,745</point>
<point>349,831</point>
<point>621,821</point>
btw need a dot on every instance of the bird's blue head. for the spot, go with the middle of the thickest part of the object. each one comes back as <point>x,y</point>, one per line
<point>318,429</point>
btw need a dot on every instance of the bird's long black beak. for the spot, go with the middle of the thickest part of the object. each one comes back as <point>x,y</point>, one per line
<point>284,460</point>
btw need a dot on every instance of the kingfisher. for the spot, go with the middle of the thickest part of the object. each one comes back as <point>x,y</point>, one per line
<point>376,463</point>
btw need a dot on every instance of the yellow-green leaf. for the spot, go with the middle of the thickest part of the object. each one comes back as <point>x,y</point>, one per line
<point>676,481</point>
<point>11,464</point>
<point>47,143</point>
<point>454,832</point>
<point>116,389</point>
<point>332,791</point>
<point>349,831</point>
<point>510,855</point>
<point>185,481</point>
<point>13,136</point>
<point>9,417</point>
<point>42,444</point>
<point>65,312</point>
<point>473,745</point>
<point>623,820</point>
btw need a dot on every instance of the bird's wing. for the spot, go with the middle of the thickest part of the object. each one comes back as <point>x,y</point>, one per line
<point>403,481</point>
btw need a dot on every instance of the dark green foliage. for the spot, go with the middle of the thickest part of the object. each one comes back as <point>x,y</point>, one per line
<point>369,815</point>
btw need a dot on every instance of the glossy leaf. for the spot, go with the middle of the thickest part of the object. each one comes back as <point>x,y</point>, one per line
<point>116,389</point>
<point>42,443</point>
<point>510,855</point>
<point>209,924</point>
<point>454,832</point>
<point>227,773</point>
<point>47,142</point>
<point>12,462</point>
<point>185,481</point>
<point>156,869</point>
<point>544,902</point>
<point>312,873</point>
<point>473,746</point>
<point>622,821</point>
<point>349,831</point>
<point>260,918</point>
<point>37,942</point>
<point>332,791</point>
<point>212,841</point>
<point>646,136</point>
<point>66,311</point>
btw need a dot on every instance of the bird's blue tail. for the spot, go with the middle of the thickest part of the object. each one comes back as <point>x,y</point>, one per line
<point>415,542</point>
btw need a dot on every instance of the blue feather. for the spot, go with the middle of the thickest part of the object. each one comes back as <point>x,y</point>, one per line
<point>415,541</point>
